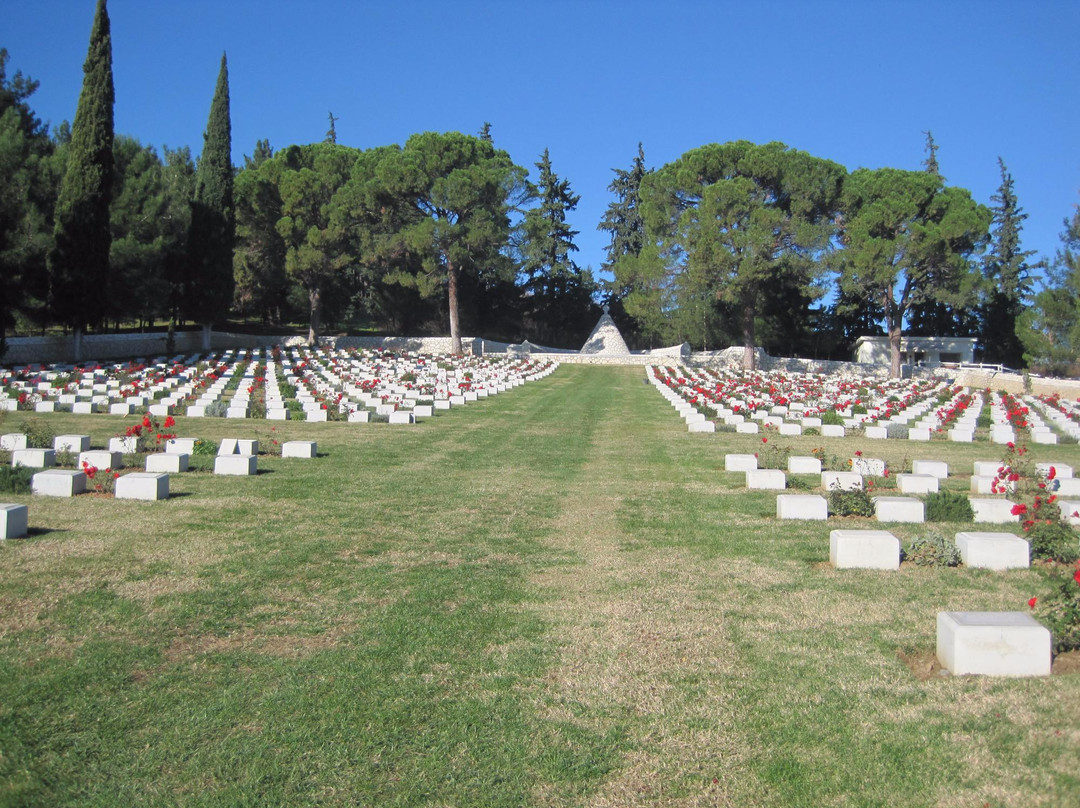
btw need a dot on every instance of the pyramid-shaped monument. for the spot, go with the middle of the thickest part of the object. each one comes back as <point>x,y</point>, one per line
<point>605,339</point>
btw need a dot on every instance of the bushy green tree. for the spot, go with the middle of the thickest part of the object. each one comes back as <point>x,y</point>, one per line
<point>730,220</point>
<point>1049,329</point>
<point>432,211</point>
<point>908,239</point>
<point>26,200</point>
<point>262,284</point>
<point>79,259</point>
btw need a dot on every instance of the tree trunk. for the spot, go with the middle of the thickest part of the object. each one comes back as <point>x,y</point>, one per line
<point>452,301</point>
<point>78,335</point>
<point>894,348</point>
<point>315,299</point>
<point>749,357</point>
<point>206,336</point>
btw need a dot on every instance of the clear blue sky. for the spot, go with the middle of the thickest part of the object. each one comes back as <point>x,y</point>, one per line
<point>855,82</point>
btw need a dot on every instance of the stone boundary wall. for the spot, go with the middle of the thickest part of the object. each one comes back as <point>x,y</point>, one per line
<point>1014,383</point>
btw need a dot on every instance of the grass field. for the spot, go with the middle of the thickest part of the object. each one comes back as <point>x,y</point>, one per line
<point>555,596</point>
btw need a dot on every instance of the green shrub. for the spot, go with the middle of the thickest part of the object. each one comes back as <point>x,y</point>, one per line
<point>1060,610</point>
<point>948,506</point>
<point>831,418</point>
<point>205,448</point>
<point>216,409</point>
<point>850,503</point>
<point>1055,541</point>
<point>39,435</point>
<point>933,550</point>
<point>15,479</point>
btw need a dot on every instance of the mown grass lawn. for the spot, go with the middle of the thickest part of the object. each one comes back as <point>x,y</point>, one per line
<point>552,597</point>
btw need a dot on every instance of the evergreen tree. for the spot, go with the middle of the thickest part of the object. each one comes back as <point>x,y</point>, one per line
<point>331,133</point>
<point>622,220</point>
<point>558,294</point>
<point>27,195</point>
<point>485,133</point>
<point>262,153</point>
<point>208,292</point>
<point>931,162</point>
<point>1008,277</point>
<point>79,260</point>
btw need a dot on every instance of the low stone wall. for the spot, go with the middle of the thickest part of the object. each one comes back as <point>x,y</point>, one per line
<point>1014,383</point>
<point>103,347</point>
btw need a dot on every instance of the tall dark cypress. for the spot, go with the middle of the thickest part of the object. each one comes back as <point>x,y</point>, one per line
<point>209,290</point>
<point>78,263</point>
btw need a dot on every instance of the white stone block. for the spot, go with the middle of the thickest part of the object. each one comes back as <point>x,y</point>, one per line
<point>1070,511</point>
<point>14,522</point>
<point>935,468</point>
<point>832,431</point>
<point>864,549</point>
<point>876,432</point>
<point>34,458</point>
<point>993,551</point>
<point>790,429</point>
<point>740,462</point>
<point>841,481</point>
<point>277,414</point>
<point>1000,435</point>
<point>962,435</point>
<point>101,459</point>
<point>180,445</point>
<point>1067,487</point>
<point>121,408</point>
<point>427,411</point>
<point>316,416</point>
<point>235,465</point>
<point>12,441</point>
<point>868,466</point>
<point>802,506</point>
<point>993,511</point>
<point>442,403</point>
<point>803,465</point>
<point>899,509</point>
<point>45,406</point>
<point>359,417</point>
<point>993,644</point>
<point>766,479</point>
<point>916,483</point>
<point>918,433</point>
<point>749,428</point>
<point>986,468</point>
<point>299,448</point>
<point>1061,470</point>
<point>142,485</point>
<point>125,445</point>
<point>702,426</point>
<point>168,462</point>
<point>984,485</point>
<point>71,443</point>
<point>236,412</point>
<point>1044,438</point>
<point>58,483</point>
<point>238,446</point>
<point>402,417</point>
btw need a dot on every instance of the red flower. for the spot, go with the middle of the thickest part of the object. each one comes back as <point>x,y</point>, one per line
<point>1031,602</point>
<point>858,454</point>
<point>1019,509</point>
<point>764,440</point>
<point>169,421</point>
<point>1052,473</point>
<point>1076,575</point>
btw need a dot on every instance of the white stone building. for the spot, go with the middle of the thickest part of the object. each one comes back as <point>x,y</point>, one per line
<point>916,350</point>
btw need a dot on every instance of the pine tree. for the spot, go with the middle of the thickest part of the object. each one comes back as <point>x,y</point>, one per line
<point>1008,277</point>
<point>331,133</point>
<point>623,217</point>
<point>559,294</point>
<point>931,163</point>
<point>485,133</point>
<point>79,260</point>
<point>209,288</point>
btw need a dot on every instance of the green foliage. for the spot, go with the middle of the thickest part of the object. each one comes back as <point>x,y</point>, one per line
<point>773,455</point>
<point>205,448</point>
<point>1008,277</point>
<point>948,506</point>
<point>1053,539</point>
<point>856,502</point>
<point>79,260</point>
<point>208,290</point>
<point>831,418</point>
<point>907,241</point>
<point>733,223</point>
<point>15,479</point>
<point>932,549</point>
<point>39,434</point>
<point>1060,609</point>
<point>216,409</point>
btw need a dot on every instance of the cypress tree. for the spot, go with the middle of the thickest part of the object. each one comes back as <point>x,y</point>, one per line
<point>1008,278</point>
<point>78,263</point>
<point>209,289</point>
